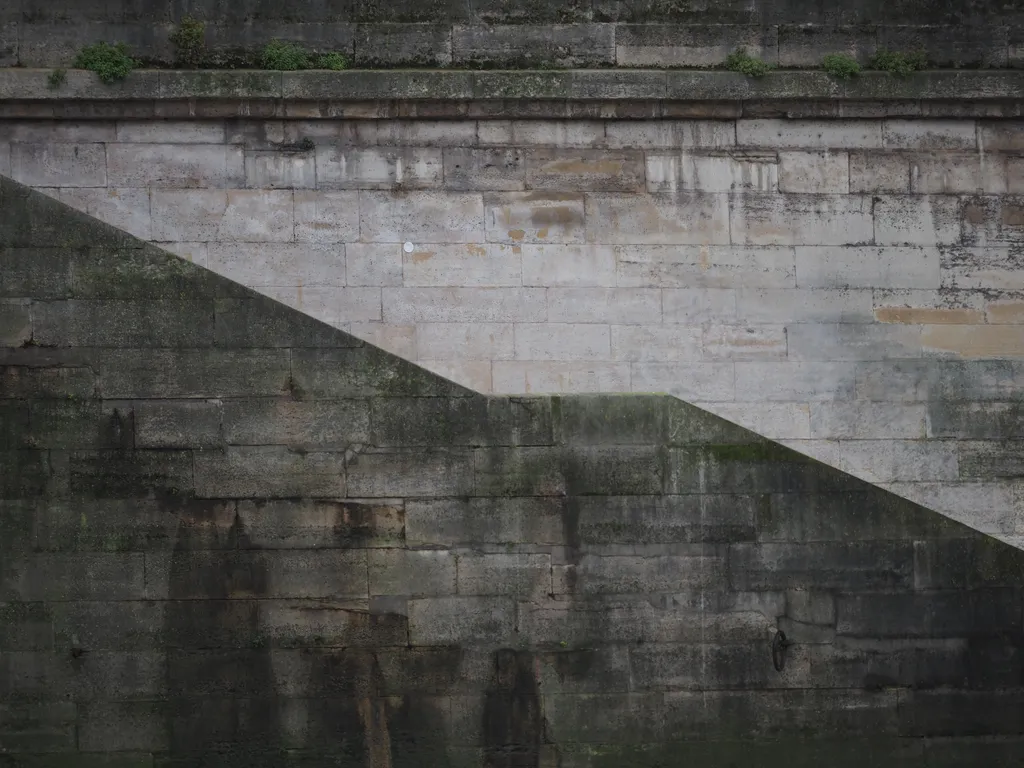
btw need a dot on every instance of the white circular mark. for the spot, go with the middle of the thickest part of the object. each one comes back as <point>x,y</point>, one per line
<point>408,247</point>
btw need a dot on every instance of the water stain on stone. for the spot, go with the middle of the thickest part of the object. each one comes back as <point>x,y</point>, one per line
<point>513,723</point>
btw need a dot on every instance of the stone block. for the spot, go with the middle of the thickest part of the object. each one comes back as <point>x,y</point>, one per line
<point>664,520</point>
<point>656,343</point>
<point>814,172</point>
<point>946,713</point>
<point>528,471</point>
<point>992,220</point>
<point>793,382</point>
<point>169,132</point>
<point>917,220</point>
<point>405,422</point>
<point>672,45</point>
<point>378,45</point>
<point>859,565</point>
<point>958,174</point>
<point>123,474</point>
<point>364,372</point>
<point>77,576</point>
<point>853,341</point>
<point>176,166</point>
<point>269,471</point>
<point>421,573</point>
<point>26,627</point>
<point>735,171</point>
<point>451,522</point>
<point>597,305</point>
<point>609,574</point>
<point>568,45</point>
<point>861,420</point>
<point>619,470</point>
<point>72,424</point>
<point>472,265</point>
<point>988,460</point>
<point>319,425</point>
<point>868,267</point>
<point>929,615</point>
<point>974,340</point>
<point>813,219</point>
<point>737,342</point>
<point>555,133</point>
<point>260,322</point>
<point>151,323</point>
<point>464,305</point>
<point>985,421</point>
<point>930,134</point>
<point>378,168</point>
<point>526,576</point>
<point>453,217</point>
<point>952,47</point>
<point>465,621</point>
<point>426,473</point>
<point>465,341</point>
<point>15,322</point>
<point>1000,135</point>
<point>704,266</point>
<point>239,215</point>
<point>8,42</point>
<point>803,305</point>
<point>27,474</point>
<point>684,219</point>
<point>534,217</point>
<point>670,134</point>
<point>164,373</point>
<point>279,170</point>
<point>986,268</point>
<point>288,524</point>
<point>806,45</point>
<point>778,421</point>
<point>315,623</point>
<point>421,132</point>
<point>551,377</point>
<point>879,172</point>
<point>562,341</point>
<point>127,209</point>
<point>373,264</point>
<point>326,217</point>
<point>707,381</point>
<point>587,170</point>
<point>59,165</point>
<point>809,134</point>
<point>612,420</point>
<point>488,170</point>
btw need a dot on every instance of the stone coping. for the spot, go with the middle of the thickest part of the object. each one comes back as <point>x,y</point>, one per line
<point>539,93</point>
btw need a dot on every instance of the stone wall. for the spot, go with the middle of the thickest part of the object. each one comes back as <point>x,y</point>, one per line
<point>578,33</point>
<point>852,287</point>
<point>231,535</point>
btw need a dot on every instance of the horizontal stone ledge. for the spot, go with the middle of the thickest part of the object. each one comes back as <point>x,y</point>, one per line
<point>449,85</point>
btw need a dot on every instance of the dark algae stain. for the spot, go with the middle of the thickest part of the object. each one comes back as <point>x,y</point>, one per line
<point>513,723</point>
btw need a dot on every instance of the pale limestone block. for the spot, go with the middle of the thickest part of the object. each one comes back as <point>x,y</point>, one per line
<point>987,507</point>
<point>695,306</point>
<point>809,134</point>
<point>672,172</point>
<point>171,132</point>
<point>585,170</point>
<point>194,252</point>
<point>486,265</point>
<point>59,165</point>
<point>710,266</point>
<point>903,381</point>
<point>689,218</point>
<point>378,168</point>
<point>929,134</point>
<point>867,267</point>
<point>534,217</point>
<point>175,166</point>
<point>879,172</point>
<point>472,374</point>
<point>758,219</point>
<point>552,133</point>
<point>464,305</point>
<point>397,339</point>
<point>419,133</point>
<point>279,264</point>
<point>326,217</point>
<point>853,341</point>
<point>814,172</point>
<point>803,305</point>
<point>220,215</point>
<point>1009,312</point>
<point>794,382</point>
<point>916,220</point>
<point>974,341</point>
<point>709,382</point>
<point>562,341</point>
<point>465,341</point>
<point>515,377</point>
<point>1001,135</point>
<point>949,173</point>
<point>57,131</point>
<point>371,264</point>
<point>887,461</point>
<point>866,420</point>
<point>656,343</point>
<point>126,209</point>
<point>500,169</point>
<point>421,217</point>
<point>604,305</point>
<point>262,134</point>
<point>568,265</point>
<point>742,342</point>
<point>334,306</point>
<point>279,170</point>
<point>927,307</point>
<point>670,134</point>
<point>776,421</point>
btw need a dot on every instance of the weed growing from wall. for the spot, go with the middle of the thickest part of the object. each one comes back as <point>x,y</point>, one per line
<point>841,66</point>
<point>110,62</point>
<point>56,79</point>
<point>333,61</point>
<point>741,62</point>
<point>189,42</point>
<point>897,63</point>
<point>284,56</point>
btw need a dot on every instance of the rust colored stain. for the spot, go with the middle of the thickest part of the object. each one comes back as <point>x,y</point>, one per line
<point>607,167</point>
<point>553,216</point>
<point>975,214</point>
<point>928,315</point>
<point>516,234</point>
<point>1006,312</point>
<point>418,257</point>
<point>1013,215</point>
<point>973,341</point>
<point>542,233</point>
<point>476,250</point>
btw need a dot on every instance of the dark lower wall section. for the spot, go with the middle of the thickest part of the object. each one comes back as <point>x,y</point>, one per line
<point>232,536</point>
<point>987,33</point>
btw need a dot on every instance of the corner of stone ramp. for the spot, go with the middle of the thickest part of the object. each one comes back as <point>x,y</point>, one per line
<point>70,280</point>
